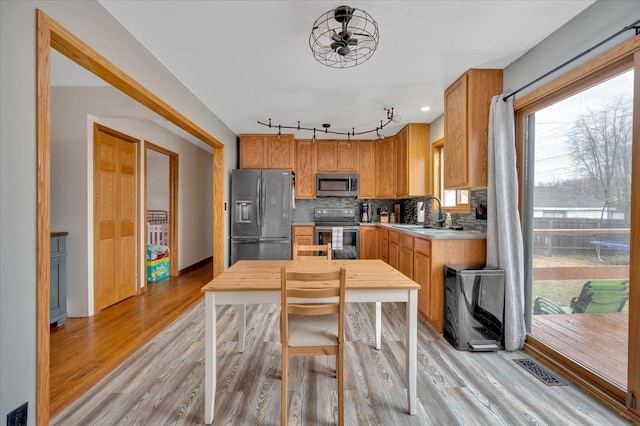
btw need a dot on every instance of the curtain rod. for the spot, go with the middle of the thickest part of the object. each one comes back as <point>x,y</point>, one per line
<point>625,29</point>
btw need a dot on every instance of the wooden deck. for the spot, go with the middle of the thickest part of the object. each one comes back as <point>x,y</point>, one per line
<point>598,341</point>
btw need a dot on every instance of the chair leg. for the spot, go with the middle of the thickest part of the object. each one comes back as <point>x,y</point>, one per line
<point>340,368</point>
<point>283,398</point>
<point>378,325</point>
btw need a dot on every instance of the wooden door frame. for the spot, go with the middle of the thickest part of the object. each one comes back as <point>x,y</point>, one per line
<point>174,160</point>
<point>612,61</point>
<point>50,34</point>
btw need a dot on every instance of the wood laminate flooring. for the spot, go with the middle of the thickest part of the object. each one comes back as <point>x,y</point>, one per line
<point>162,383</point>
<point>85,350</point>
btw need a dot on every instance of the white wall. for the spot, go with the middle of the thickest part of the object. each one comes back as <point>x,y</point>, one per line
<point>157,180</point>
<point>596,23</point>
<point>437,128</point>
<point>72,182</point>
<point>91,23</point>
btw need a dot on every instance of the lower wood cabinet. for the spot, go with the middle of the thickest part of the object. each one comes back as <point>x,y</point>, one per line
<point>441,252</point>
<point>405,255</point>
<point>369,242</point>
<point>302,235</point>
<point>423,260</point>
<point>394,248</point>
<point>383,237</point>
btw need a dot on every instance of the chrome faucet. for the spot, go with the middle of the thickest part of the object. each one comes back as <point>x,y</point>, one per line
<point>440,219</point>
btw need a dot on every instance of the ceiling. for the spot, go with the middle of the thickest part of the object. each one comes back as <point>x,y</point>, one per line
<point>250,60</point>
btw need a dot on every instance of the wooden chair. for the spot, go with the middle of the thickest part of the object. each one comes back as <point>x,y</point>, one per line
<point>300,251</point>
<point>312,327</point>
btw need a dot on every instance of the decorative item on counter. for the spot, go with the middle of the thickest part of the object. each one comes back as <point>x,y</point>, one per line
<point>384,215</point>
<point>448,221</point>
<point>396,212</point>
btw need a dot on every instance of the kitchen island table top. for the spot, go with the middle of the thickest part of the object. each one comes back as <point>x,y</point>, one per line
<point>261,275</point>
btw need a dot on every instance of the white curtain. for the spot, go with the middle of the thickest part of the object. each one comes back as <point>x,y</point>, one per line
<point>504,234</point>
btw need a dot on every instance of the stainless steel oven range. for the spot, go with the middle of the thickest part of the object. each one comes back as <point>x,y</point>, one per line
<point>344,222</point>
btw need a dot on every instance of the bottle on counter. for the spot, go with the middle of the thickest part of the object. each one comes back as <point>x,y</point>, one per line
<point>448,221</point>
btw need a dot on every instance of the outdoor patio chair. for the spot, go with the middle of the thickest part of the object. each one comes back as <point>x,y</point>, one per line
<point>545,306</point>
<point>596,296</point>
<point>599,296</point>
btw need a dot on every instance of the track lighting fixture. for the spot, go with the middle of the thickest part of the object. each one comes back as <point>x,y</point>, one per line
<point>391,118</point>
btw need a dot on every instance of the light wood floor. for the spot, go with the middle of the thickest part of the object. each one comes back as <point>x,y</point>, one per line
<point>85,350</point>
<point>162,383</point>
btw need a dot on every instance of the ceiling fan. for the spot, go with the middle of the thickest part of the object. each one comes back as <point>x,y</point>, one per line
<point>351,42</point>
<point>343,39</point>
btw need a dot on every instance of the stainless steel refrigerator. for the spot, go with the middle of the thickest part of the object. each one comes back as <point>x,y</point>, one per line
<point>261,214</point>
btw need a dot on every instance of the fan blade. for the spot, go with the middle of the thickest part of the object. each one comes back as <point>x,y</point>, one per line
<point>353,41</point>
<point>336,45</point>
<point>335,36</point>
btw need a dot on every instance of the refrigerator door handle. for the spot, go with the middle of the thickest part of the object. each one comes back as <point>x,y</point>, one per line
<point>263,202</point>
<point>259,208</point>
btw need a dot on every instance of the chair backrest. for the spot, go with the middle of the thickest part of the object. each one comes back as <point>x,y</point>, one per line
<point>301,251</point>
<point>601,296</point>
<point>314,288</point>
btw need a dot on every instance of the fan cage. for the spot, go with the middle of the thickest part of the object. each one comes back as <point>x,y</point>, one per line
<point>361,24</point>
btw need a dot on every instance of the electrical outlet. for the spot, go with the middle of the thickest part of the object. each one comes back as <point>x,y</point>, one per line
<point>18,417</point>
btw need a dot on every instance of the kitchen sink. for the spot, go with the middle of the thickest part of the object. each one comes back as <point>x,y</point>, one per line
<point>407,226</point>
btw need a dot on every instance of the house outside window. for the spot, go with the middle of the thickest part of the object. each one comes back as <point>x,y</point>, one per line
<point>453,201</point>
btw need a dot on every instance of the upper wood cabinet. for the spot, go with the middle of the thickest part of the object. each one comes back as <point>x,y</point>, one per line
<point>337,156</point>
<point>385,168</point>
<point>412,160</point>
<point>266,152</point>
<point>305,169</point>
<point>466,123</point>
<point>366,169</point>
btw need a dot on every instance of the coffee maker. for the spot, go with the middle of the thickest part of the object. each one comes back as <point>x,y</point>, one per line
<point>365,212</point>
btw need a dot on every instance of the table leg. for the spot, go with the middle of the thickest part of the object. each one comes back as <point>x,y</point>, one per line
<point>242,326</point>
<point>210,357</point>
<point>412,349</point>
<point>378,325</point>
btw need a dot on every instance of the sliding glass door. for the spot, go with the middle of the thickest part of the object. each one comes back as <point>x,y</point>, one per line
<point>579,205</point>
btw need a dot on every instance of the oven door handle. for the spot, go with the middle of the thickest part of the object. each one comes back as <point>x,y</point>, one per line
<point>344,228</point>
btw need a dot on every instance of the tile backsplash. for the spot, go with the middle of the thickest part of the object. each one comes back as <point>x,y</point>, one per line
<point>303,213</point>
<point>409,210</point>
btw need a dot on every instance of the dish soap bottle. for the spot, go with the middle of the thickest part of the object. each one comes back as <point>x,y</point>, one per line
<point>447,221</point>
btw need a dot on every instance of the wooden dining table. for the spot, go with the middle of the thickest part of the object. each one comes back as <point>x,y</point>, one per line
<point>258,281</point>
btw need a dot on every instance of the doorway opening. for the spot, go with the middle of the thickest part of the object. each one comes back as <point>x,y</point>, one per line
<point>161,206</point>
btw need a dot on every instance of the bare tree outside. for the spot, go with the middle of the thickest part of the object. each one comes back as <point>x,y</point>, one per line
<point>602,140</point>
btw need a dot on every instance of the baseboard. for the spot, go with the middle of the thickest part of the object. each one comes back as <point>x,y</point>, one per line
<point>195,265</point>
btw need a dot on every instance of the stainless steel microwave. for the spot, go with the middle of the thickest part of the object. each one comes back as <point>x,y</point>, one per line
<point>337,185</point>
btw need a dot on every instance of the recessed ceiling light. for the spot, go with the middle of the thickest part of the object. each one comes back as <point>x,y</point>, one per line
<point>425,108</point>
